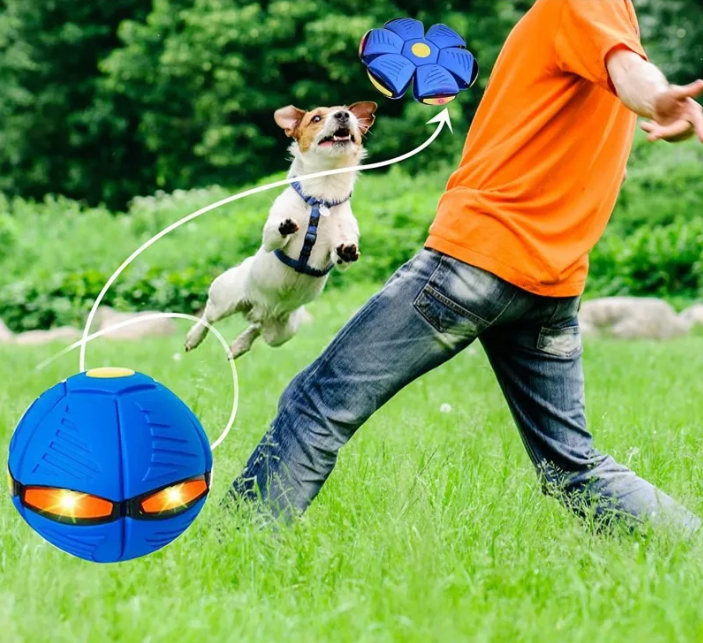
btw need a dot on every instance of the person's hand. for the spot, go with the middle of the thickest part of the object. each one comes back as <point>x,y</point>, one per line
<point>678,116</point>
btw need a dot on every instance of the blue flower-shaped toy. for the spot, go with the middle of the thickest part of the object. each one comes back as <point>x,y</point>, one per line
<point>437,63</point>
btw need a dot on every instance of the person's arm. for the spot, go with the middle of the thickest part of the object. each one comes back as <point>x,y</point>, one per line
<point>673,113</point>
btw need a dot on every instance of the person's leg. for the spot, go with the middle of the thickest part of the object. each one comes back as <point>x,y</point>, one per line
<point>537,361</point>
<point>429,311</point>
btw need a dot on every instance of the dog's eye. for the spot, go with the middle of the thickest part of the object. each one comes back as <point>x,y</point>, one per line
<point>316,119</point>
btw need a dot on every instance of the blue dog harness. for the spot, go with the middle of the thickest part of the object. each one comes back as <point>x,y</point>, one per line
<point>318,209</point>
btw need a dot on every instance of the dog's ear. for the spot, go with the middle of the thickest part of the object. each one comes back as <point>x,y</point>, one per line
<point>289,118</point>
<point>364,111</point>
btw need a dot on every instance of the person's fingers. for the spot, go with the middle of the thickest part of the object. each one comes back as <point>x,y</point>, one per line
<point>652,130</point>
<point>678,131</point>
<point>693,90</point>
<point>675,129</point>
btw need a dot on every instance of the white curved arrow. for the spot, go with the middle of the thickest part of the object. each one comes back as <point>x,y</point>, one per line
<point>442,119</point>
<point>138,320</point>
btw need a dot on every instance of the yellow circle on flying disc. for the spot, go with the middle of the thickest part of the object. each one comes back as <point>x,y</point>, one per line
<point>109,373</point>
<point>421,50</point>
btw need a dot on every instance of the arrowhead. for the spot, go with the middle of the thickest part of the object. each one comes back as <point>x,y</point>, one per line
<point>443,118</point>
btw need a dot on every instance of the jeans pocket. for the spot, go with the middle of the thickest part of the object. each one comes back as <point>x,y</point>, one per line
<point>446,316</point>
<point>560,342</point>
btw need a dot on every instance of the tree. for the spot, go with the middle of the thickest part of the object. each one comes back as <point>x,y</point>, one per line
<point>103,101</point>
<point>57,132</point>
<point>207,75</point>
<point>673,33</point>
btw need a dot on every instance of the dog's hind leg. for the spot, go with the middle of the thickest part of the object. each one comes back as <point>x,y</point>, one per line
<point>278,332</point>
<point>243,343</point>
<point>227,296</point>
<point>199,332</point>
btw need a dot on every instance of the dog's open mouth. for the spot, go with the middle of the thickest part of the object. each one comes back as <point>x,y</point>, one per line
<point>342,136</point>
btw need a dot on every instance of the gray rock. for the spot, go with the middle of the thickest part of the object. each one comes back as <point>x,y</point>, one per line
<point>693,315</point>
<point>65,334</point>
<point>106,318</point>
<point>6,335</point>
<point>632,318</point>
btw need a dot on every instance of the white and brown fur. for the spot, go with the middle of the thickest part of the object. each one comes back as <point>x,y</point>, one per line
<point>268,293</point>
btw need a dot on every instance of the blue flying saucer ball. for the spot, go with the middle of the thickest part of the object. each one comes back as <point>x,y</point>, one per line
<point>109,465</point>
<point>436,63</point>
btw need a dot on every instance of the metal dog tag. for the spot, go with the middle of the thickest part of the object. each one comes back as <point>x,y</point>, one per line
<point>325,211</point>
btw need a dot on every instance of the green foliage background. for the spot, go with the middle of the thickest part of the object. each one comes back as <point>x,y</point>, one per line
<point>102,101</point>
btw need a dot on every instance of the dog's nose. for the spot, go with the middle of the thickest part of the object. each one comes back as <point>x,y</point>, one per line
<point>342,117</point>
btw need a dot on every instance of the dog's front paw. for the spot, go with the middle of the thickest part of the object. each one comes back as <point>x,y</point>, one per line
<point>288,227</point>
<point>348,254</point>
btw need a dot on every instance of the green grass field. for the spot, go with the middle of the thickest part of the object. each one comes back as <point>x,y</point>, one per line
<point>432,528</point>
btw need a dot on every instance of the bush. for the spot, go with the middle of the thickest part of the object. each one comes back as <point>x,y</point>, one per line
<point>664,184</point>
<point>57,255</point>
<point>52,279</point>
<point>661,262</point>
<point>654,244</point>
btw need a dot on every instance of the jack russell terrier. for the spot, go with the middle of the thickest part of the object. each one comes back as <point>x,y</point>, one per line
<point>310,230</point>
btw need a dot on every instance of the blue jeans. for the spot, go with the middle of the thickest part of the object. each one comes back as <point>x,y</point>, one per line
<point>431,310</point>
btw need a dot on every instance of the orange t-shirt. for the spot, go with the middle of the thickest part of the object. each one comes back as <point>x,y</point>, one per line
<point>547,152</point>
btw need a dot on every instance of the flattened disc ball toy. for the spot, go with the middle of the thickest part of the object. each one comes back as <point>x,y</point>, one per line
<point>109,465</point>
<point>436,63</point>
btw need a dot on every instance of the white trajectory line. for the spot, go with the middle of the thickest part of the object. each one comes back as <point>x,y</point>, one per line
<point>145,318</point>
<point>442,119</point>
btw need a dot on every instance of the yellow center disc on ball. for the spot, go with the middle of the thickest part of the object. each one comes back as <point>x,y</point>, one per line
<point>421,50</point>
<point>109,373</point>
